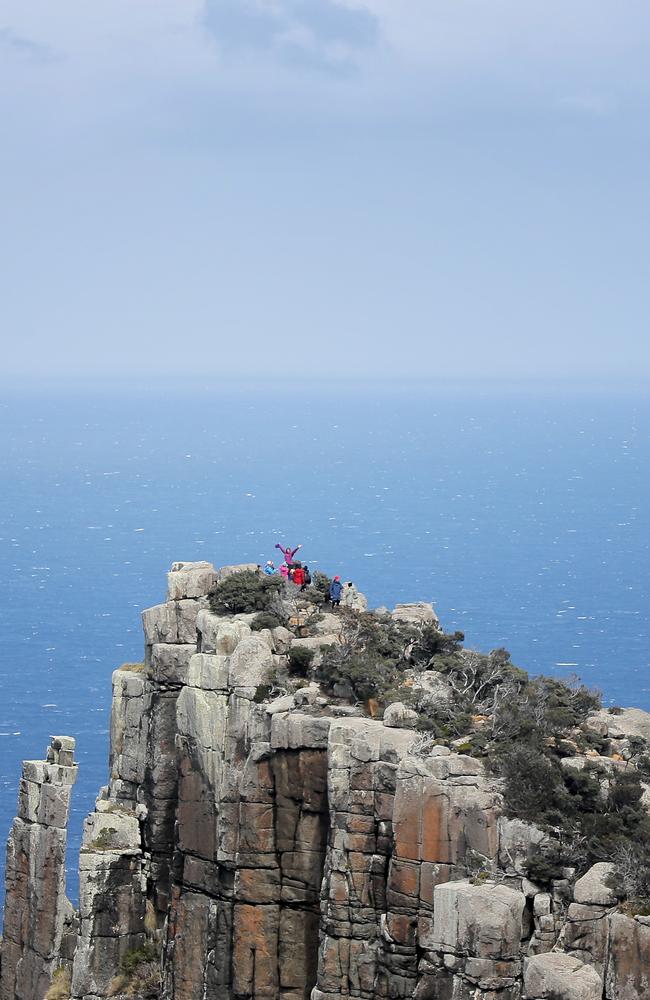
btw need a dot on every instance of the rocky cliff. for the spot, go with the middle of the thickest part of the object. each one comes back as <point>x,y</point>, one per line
<point>260,844</point>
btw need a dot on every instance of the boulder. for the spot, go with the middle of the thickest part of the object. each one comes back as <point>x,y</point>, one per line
<point>419,613</point>
<point>593,888</point>
<point>483,921</point>
<point>226,571</point>
<point>629,722</point>
<point>560,977</point>
<point>434,686</point>
<point>398,716</point>
<point>190,579</point>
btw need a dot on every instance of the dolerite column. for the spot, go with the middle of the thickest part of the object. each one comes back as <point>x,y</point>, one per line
<point>170,641</point>
<point>36,906</point>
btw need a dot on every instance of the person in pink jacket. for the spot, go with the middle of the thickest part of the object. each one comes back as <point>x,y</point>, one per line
<point>288,553</point>
<point>284,571</point>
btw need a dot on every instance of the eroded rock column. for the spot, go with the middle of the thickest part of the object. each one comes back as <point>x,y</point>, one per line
<point>36,907</point>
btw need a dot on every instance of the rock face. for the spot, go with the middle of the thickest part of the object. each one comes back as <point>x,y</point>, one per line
<point>286,848</point>
<point>36,908</point>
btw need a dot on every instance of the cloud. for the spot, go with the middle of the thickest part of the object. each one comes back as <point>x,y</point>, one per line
<point>26,46</point>
<point>311,34</point>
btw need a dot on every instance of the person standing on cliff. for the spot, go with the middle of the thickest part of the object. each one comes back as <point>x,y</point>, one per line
<point>299,576</point>
<point>269,569</point>
<point>335,592</point>
<point>288,553</point>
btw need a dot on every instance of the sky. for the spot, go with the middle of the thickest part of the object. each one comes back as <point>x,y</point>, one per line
<point>325,188</point>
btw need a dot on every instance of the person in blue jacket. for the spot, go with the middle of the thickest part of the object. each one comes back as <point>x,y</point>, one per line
<point>269,569</point>
<point>335,591</point>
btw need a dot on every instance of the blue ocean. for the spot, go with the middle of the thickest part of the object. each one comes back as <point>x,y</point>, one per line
<point>521,512</point>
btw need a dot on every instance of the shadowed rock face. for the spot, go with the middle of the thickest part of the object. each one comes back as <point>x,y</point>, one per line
<point>36,908</point>
<point>293,849</point>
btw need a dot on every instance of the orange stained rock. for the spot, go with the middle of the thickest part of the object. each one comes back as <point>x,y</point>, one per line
<point>435,841</point>
<point>407,829</point>
<point>255,950</point>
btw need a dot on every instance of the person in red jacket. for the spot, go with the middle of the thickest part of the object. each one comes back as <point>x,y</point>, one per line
<point>298,576</point>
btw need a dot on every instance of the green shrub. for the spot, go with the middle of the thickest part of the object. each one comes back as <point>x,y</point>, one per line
<point>265,619</point>
<point>244,593</point>
<point>545,864</point>
<point>132,959</point>
<point>320,585</point>
<point>139,975</point>
<point>300,658</point>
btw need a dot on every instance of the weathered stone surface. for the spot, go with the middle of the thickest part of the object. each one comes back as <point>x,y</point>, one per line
<point>36,908</point>
<point>628,722</point>
<point>250,664</point>
<point>443,808</point>
<point>418,613</point>
<point>293,731</point>
<point>170,663</point>
<point>628,965</point>
<point>226,571</point>
<point>208,671</point>
<point>560,977</point>
<point>128,736</point>
<point>484,921</point>
<point>398,716</point>
<point>518,842</point>
<point>434,686</point>
<point>593,887</point>
<point>586,934</point>
<point>190,579</point>
<point>219,635</point>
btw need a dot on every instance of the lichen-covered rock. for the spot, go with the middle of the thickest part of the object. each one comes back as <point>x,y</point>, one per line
<point>483,921</point>
<point>560,977</point>
<point>398,716</point>
<point>419,613</point>
<point>594,887</point>
<point>628,964</point>
<point>190,580</point>
<point>128,737</point>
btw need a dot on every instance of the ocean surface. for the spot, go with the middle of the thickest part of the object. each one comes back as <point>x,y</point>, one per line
<point>521,512</point>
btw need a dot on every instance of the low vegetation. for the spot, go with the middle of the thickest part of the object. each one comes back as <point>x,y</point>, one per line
<point>60,986</point>
<point>103,841</point>
<point>134,668</point>
<point>481,704</point>
<point>245,593</point>
<point>139,975</point>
